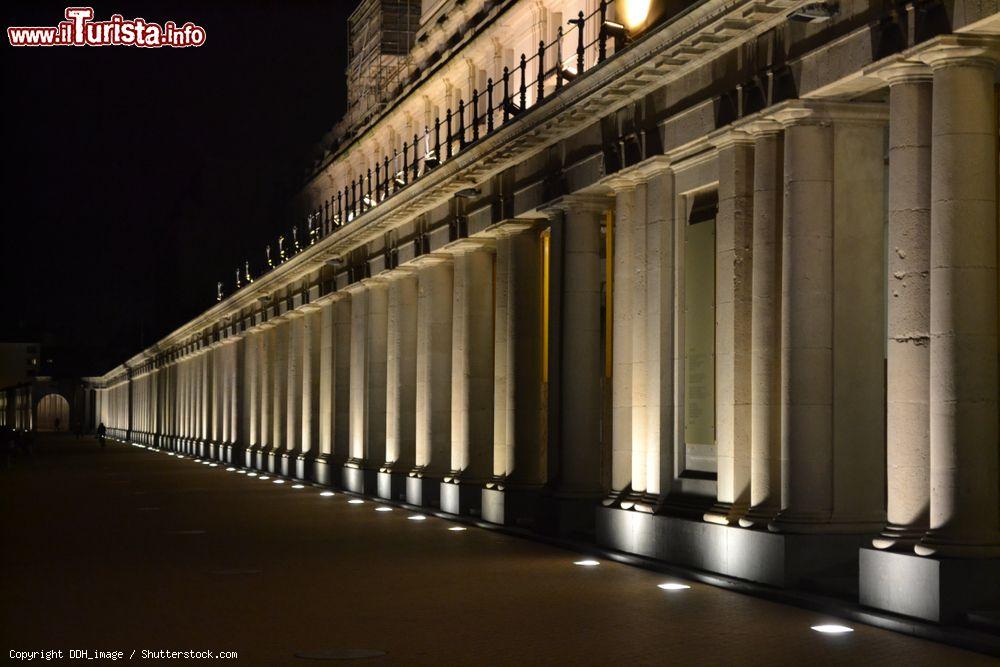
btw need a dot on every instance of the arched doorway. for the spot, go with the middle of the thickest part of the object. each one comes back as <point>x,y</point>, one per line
<point>52,413</point>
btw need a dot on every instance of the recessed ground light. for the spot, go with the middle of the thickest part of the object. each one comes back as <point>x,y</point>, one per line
<point>587,563</point>
<point>832,629</point>
<point>298,486</point>
<point>327,494</point>
<point>196,460</point>
<point>241,472</point>
<point>230,469</point>
<point>457,528</point>
<point>673,586</point>
<point>383,509</point>
<point>279,481</point>
<point>355,501</point>
<point>264,477</point>
<point>251,474</point>
<point>417,517</point>
<point>213,465</point>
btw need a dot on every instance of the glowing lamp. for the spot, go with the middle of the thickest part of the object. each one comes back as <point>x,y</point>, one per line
<point>832,629</point>
<point>635,13</point>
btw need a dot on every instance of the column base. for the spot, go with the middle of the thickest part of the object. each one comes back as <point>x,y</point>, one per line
<point>461,497</point>
<point>360,480</point>
<point>942,590</point>
<point>758,517</point>
<point>325,471</point>
<point>287,462</point>
<point>894,537</point>
<point>391,484</point>
<point>273,461</point>
<point>507,505</point>
<point>201,449</point>
<point>820,562</point>
<point>423,491</point>
<point>260,459</point>
<point>305,467</point>
<point>725,514</point>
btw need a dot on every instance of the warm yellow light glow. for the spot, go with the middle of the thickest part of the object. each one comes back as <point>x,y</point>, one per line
<point>587,563</point>
<point>634,13</point>
<point>673,587</point>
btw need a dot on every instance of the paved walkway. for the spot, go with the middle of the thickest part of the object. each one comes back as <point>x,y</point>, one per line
<point>127,549</point>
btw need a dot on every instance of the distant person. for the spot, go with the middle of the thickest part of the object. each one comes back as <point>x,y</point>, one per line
<point>101,432</point>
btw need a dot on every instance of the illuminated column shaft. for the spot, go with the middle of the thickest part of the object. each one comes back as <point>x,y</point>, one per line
<point>965,491</point>
<point>518,454</point>
<point>433,384</point>
<point>293,385</point>
<point>342,377</point>
<point>327,379</point>
<point>765,375</point>
<point>206,394</point>
<point>251,389</point>
<point>265,350</point>
<point>622,468</point>
<point>733,280</point>
<point>636,231</point>
<point>908,303</point>
<point>401,371</point>
<point>311,330</point>
<point>807,327</point>
<point>279,383</point>
<point>472,365</point>
<point>368,348</point>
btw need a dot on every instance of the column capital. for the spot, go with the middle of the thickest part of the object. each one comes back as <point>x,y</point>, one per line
<point>762,127</point>
<point>470,244</point>
<point>822,112</point>
<point>588,203</point>
<point>953,49</point>
<point>513,226</point>
<point>431,259</point>
<point>737,136</point>
<point>905,71</point>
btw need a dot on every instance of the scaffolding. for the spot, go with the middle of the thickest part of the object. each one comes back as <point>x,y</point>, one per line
<point>381,36</point>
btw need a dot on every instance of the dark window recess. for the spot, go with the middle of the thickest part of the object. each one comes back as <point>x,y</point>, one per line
<point>704,208</point>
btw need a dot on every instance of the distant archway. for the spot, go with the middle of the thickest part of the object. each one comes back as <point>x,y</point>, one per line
<point>52,413</point>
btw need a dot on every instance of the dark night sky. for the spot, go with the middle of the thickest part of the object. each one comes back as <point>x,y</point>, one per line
<point>134,179</point>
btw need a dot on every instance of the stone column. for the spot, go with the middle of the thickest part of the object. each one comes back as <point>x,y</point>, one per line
<point>279,391</point>
<point>251,388</point>
<point>293,392</point>
<point>623,467</point>
<point>342,378</point>
<point>433,378</point>
<point>807,326</point>
<point>401,372</point>
<point>765,360</point>
<point>832,307</point>
<point>265,351</point>
<point>908,303</point>
<point>582,372</point>
<point>964,496</point>
<point>369,319</point>
<point>733,280</point>
<point>310,356</point>
<point>471,377</point>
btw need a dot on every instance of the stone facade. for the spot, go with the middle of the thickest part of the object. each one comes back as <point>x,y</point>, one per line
<point>722,292</point>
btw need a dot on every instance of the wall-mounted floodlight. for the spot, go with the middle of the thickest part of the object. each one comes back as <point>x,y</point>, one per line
<point>816,12</point>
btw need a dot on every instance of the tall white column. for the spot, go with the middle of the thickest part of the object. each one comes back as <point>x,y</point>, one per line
<point>327,386</point>
<point>311,330</point>
<point>342,377</point>
<point>279,387</point>
<point>369,318</point>
<point>733,280</point>
<point>518,450</point>
<point>433,372</point>
<point>265,360</point>
<point>908,303</point>
<point>623,467</point>
<point>293,385</point>
<point>765,366</point>
<point>807,327</point>
<point>964,429</point>
<point>472,365</point>
<point>401,372</point>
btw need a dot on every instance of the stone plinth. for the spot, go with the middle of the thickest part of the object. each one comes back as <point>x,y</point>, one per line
<point>459,498</point>
<point>392,485</point>
<point>942,590</point>
<point>423,491</point>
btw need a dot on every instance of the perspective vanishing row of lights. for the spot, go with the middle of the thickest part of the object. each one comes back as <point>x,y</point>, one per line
<point>671,586</point>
